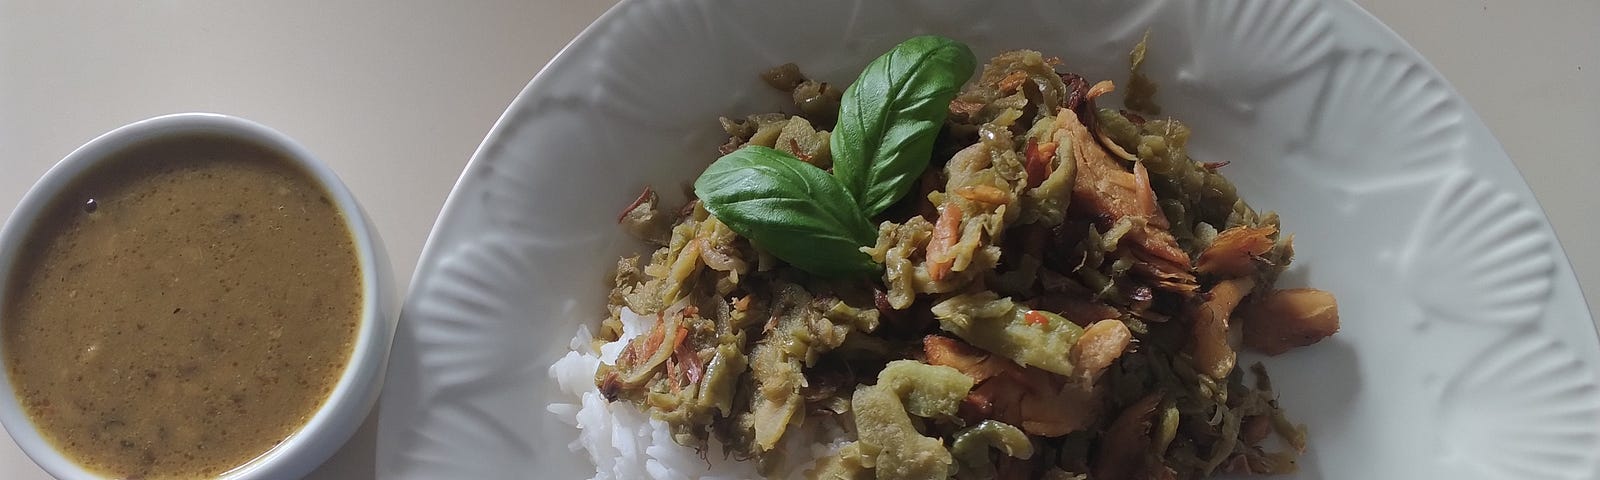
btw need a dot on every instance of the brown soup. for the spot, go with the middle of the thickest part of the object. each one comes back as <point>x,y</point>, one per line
<point>182,310</point>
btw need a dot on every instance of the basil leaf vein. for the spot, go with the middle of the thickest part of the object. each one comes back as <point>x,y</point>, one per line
<point>790,209</point>
<point>890,117</point>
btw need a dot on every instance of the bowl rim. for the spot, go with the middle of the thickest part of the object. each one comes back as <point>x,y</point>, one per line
<point>355,393</point>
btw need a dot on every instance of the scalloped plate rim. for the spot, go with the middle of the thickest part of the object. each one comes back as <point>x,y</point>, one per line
<point>1475,122</point>
<point>443,238</point>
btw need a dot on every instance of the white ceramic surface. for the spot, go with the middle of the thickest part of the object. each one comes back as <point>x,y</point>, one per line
<point>358,387</point>
<point>1467,351</point>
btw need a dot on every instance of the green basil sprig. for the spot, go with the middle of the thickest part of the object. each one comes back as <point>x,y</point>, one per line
<point>889,118</point>
<point>888,121</point>
<point>788,208</point>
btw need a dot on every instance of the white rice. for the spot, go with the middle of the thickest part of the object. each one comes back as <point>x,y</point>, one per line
<point>624,443</point>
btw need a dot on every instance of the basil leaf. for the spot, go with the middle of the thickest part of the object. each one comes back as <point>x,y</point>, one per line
<point>889,117</point>
<point>788,208</point>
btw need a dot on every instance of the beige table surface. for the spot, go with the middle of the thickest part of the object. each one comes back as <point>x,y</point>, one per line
<point>397,94</point>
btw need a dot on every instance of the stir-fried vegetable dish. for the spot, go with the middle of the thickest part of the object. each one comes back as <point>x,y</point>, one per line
<point>989,277</point>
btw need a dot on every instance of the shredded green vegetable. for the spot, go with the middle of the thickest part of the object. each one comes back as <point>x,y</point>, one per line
<point>1038,305</point>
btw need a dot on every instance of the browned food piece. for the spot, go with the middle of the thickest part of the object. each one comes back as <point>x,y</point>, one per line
<point>1039,161</point>
<point>945,234</point>
<point>1145,197</point>
<point>1012,80</point>
<point>1122,450</point>
<point>643,218</point>
<point>1101,344</point>
<point>1039,402</point>
<point>1287,319</point>
<point>980,403</point>
<point>1112,193</point>
<point>965,109</point>
<point>969,360</point>
<point>1101,88</point>
<point>1077,92</point>
<point>984,193</point>
<point>1167,276</point>
<point>1212,354</point>
<point>1235,251</point>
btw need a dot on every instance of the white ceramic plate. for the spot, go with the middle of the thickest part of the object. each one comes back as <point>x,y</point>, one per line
<point>1467,352</point>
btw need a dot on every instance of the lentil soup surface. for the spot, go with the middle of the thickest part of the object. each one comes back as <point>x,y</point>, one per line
<point>182,310</point>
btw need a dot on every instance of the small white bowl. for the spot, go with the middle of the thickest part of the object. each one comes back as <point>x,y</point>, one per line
<point>352,398</point>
